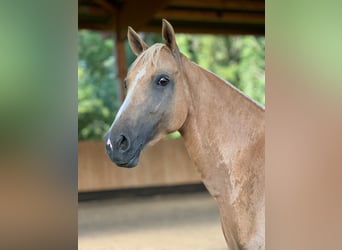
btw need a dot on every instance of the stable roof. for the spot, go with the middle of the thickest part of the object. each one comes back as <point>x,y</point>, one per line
<point>189,16</point>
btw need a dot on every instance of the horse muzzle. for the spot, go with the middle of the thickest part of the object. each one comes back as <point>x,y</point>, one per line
<point>121,150</point>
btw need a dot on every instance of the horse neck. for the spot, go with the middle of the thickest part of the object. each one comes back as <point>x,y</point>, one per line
<point>224,136</point>
<point>218,113</point>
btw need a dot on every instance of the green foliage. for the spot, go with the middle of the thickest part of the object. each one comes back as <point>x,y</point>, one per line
<point>98,95</point>
<point>237,59</point>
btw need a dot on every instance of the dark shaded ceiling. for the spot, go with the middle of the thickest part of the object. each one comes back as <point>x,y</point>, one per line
<point>187,16</point>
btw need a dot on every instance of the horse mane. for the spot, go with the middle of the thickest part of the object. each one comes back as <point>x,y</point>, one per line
<point>150,55</point>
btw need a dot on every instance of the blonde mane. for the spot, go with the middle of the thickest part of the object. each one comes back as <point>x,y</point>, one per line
<point>150,55</point>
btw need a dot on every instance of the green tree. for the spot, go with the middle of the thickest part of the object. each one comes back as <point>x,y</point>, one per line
<point>98,95</point>
<point>237,59</point>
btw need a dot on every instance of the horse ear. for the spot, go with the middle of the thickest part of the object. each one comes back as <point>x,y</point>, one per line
<point>135,42</point>
<point>169,36</point>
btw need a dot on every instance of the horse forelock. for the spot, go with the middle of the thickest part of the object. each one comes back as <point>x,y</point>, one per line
<point>151,55</point>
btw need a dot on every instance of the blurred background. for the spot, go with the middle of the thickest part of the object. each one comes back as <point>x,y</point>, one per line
<point>160,204</point>
<point>39,138</point>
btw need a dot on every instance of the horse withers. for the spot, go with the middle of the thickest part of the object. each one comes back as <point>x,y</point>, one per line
<point>223,131</point>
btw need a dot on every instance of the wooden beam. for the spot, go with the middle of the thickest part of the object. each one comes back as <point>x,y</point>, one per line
<point>137,14</point>
<point>191,29</point>
<point>93,26</point>
<point>256,5</point>
<point>107,6</point>
<point>258,30</point>
<point>121,60</point>
<point>212,16</point>
<point>91,11</point>
<point>121,64</point>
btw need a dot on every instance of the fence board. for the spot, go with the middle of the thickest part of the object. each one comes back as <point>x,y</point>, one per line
<point>166,163</point>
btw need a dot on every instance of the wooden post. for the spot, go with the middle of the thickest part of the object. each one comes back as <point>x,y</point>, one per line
<point>121,63</point>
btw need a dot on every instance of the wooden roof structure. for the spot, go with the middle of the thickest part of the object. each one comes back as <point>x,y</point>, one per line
<point>187,16</point>
<point>233,17</point>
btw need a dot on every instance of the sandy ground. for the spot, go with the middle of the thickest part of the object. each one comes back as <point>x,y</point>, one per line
<point>172,222</point>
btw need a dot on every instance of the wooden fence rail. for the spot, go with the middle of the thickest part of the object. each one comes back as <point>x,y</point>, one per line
<point>166,163</point>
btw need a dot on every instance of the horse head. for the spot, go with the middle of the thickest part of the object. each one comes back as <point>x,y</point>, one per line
<point>155,102</point>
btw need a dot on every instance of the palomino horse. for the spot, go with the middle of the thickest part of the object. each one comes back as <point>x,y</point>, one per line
<point>223,131</point>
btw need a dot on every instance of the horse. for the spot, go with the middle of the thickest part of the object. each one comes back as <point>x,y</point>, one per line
<point>222,128</point>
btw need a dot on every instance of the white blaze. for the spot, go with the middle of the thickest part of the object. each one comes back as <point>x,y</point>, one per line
<point>127,101</point>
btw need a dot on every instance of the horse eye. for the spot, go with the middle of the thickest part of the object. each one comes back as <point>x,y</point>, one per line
<point>163,81</point>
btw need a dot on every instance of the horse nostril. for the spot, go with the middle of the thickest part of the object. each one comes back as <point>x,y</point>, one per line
<point>123,143</point>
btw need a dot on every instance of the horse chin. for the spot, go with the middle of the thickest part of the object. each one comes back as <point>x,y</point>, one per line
<point>129,164</point>
<point>133,162</point>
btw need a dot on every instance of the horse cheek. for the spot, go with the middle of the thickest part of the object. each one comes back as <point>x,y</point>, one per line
<point>178,115</point>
